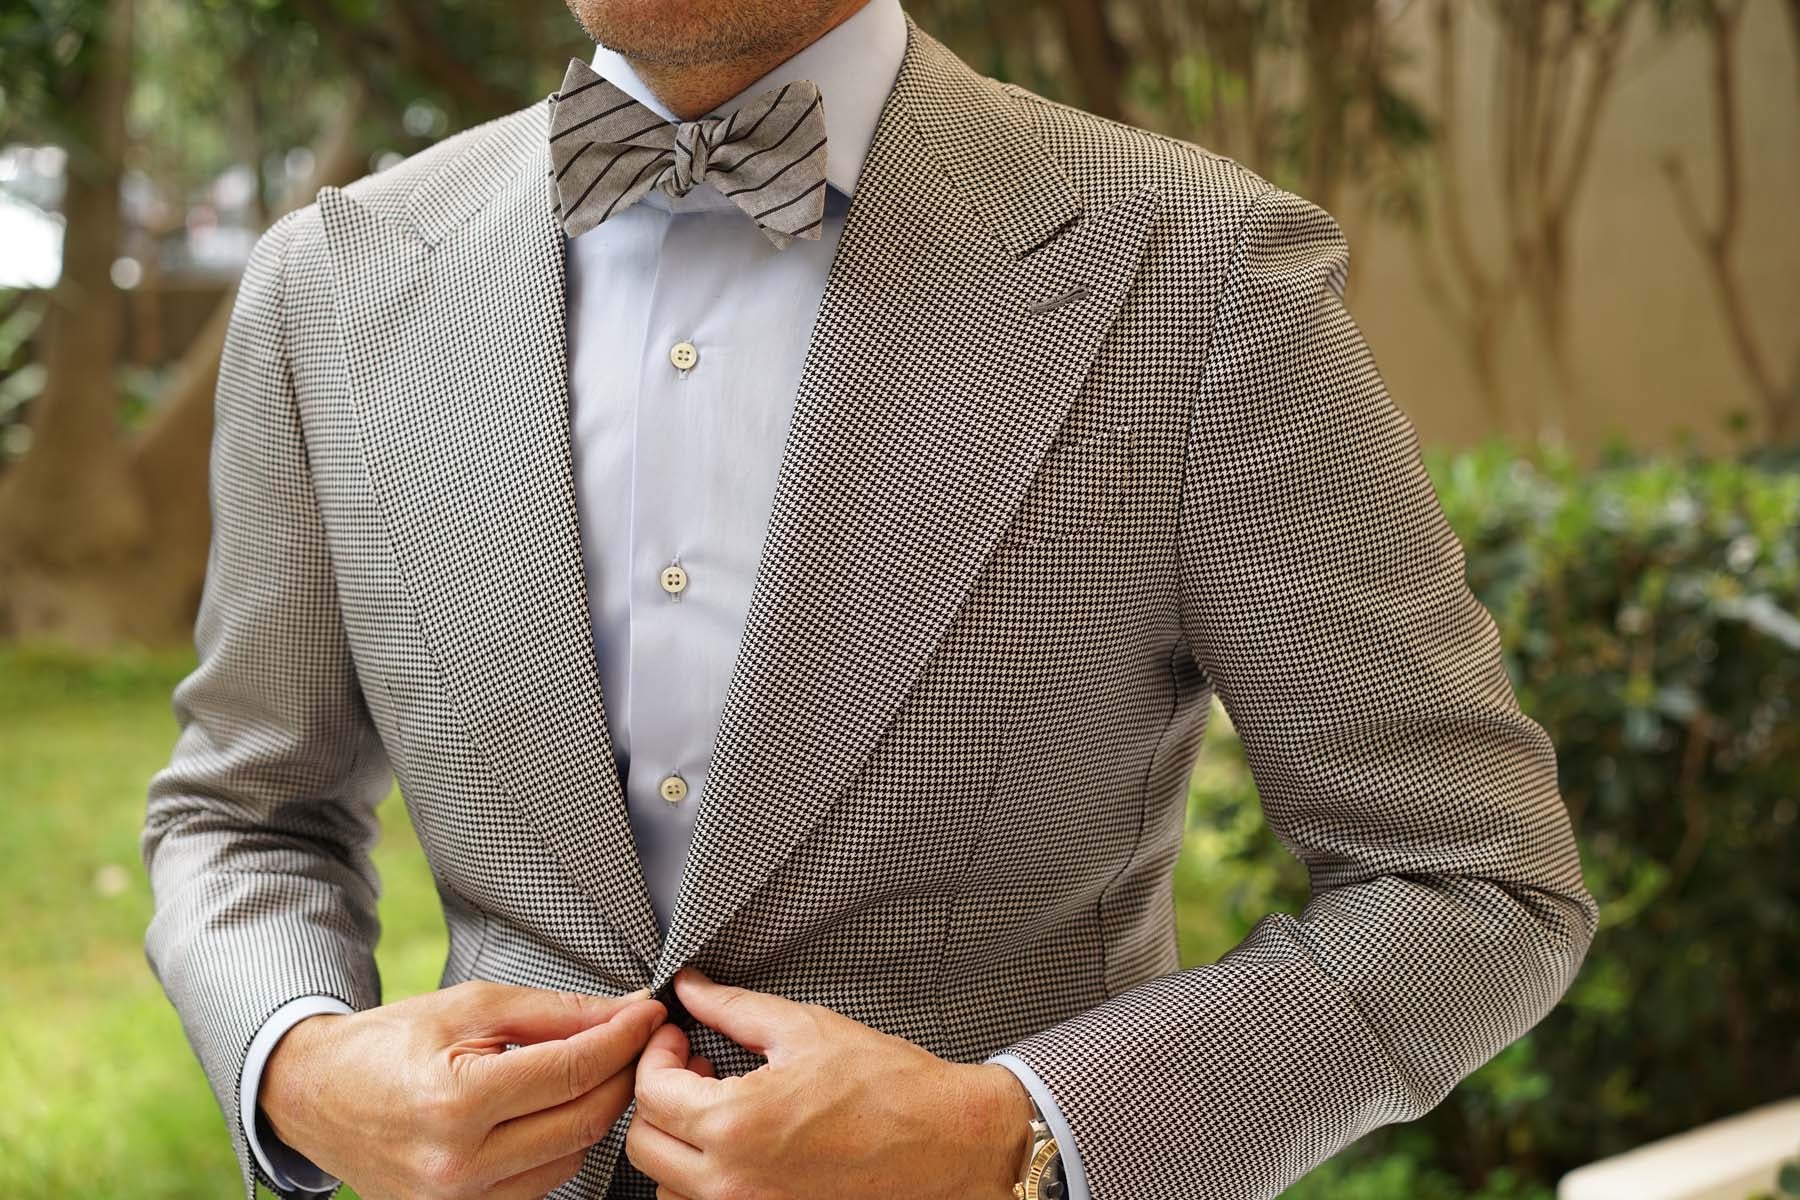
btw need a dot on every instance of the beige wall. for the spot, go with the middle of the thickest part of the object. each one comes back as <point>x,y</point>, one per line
<point>1651,354</point>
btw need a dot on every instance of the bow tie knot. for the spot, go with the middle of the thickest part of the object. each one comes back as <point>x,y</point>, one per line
<point>767,155</point>
<point>692,150</point>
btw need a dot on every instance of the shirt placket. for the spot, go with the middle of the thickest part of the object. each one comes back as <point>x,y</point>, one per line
<point>675,571</point>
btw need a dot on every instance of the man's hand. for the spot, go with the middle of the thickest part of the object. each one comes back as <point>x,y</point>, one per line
<point>422,1098</point>
<point>838,1110</point>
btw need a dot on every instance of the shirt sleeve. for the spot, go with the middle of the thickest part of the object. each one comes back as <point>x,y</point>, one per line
<point>1073,1175</point>
<point>287,1169</point>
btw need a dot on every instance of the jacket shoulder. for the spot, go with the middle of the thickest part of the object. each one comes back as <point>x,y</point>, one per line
<point>429,190</point>
<point>434,187</point>
<point>1108,159</point>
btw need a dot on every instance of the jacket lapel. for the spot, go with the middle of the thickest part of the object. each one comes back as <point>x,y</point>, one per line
<point>453,328</point>
<point>935,378</point>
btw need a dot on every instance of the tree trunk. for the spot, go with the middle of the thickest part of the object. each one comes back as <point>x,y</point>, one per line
<point>1479,301</point>
<point>1717,237</point>
<point>1330,28</point>
<point>104,538</point>
<point>1097,56</point>
<point>173,452</point>
<point>68,501</point>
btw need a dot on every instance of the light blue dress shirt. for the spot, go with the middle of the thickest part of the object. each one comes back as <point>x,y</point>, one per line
<point>688,330</point>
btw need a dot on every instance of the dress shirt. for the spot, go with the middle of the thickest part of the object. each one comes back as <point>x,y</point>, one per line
<point>687,331</point>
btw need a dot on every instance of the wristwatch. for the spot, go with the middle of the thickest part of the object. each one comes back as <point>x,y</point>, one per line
<point>1041,1175</point>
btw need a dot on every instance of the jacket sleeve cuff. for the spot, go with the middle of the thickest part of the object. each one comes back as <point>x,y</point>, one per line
<point>287,1169</point>
<point>1073,1174</point>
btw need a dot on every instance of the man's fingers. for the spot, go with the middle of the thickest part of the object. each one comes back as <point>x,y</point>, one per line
<point>524,1143</point>
<point>701,1065</point>
<point>545,1074</point>
<point>665,1158</point>
<point>482,1010</point>
<point>537,1182</point>
<point>667,1049</point>
<point>670,1095</point>
<point>754,1020</point>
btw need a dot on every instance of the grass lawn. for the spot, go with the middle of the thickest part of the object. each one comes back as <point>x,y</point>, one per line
<point>102,1096</point>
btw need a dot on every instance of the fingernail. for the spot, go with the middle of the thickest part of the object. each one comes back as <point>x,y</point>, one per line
<point>640,994</point>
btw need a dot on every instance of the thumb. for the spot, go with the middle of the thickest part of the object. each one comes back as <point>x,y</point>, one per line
<point>756,1021</point>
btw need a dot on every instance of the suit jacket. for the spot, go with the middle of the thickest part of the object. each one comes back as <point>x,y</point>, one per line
<point>1084,437</point>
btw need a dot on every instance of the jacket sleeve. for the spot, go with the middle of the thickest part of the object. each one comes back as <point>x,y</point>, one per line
<point>1323,595</point>
<point>257,832</point>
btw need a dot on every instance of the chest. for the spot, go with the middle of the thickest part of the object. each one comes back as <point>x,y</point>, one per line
<point>687,335</point>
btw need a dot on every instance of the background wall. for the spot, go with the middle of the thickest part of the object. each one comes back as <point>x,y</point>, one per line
<point>1652,352</point>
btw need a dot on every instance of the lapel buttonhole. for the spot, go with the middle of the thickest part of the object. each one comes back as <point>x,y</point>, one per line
<point>1069,297</point>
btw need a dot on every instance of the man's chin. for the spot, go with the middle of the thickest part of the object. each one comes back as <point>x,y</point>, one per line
<point>692,32</point>
<point>676,33</point>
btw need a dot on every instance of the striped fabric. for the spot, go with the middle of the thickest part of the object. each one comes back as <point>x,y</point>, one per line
<point>607,150</point>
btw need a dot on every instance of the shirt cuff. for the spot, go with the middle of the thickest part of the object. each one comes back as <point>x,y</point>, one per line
<point>287,1169</point>
<point>1073,1174</point>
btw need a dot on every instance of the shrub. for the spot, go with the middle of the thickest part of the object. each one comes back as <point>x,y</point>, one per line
<point>1647,608</point>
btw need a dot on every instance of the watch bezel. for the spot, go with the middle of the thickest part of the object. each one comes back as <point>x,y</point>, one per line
<point>1043,1157</point>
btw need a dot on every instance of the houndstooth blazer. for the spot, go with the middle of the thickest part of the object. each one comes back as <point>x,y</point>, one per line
<point>1084,437</point>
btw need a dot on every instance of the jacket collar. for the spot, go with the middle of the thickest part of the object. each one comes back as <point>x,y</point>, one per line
<point>976,133</point>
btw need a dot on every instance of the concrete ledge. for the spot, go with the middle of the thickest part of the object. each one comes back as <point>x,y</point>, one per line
<point>1726,1160</point>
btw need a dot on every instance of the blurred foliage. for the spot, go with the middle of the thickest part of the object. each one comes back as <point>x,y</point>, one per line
<point>1648,611</point>
<point>224,83</point>
<point>45,48</point>
<point>1303,89</point>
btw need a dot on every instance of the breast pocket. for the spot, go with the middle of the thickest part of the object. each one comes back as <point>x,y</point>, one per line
<point>1078,487</point>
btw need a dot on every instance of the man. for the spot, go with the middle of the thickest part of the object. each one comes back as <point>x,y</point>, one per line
<point>782,508</point>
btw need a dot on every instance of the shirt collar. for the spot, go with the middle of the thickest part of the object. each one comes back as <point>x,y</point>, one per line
<point>854,63</point>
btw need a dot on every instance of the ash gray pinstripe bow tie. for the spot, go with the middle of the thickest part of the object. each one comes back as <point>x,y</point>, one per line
<point>767,155</point>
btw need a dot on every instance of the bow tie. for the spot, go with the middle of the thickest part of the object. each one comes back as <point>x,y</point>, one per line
<point>767,155</point>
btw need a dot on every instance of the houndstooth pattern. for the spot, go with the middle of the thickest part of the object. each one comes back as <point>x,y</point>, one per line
<point>1084,437</point>
<point>607,150</point>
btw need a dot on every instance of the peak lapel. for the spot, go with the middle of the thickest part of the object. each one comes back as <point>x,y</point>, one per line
<point>453,323</point>
<point>933,383</point>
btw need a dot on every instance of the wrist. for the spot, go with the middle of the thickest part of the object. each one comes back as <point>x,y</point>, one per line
<point>288,1079</point>
<point>1005,1124</point>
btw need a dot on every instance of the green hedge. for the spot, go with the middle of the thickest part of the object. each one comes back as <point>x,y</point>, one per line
<point>1647,608</point>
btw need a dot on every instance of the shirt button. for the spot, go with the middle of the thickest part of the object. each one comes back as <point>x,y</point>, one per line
<point>673,789</point>
<point>683,355</point>
<point>674,579</point>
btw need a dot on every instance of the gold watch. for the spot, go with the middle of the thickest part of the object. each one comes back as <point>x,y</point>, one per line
<point>1041,1175</point>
